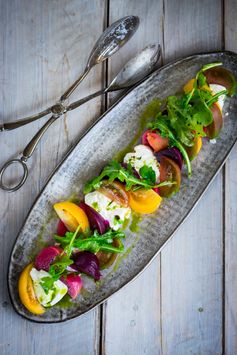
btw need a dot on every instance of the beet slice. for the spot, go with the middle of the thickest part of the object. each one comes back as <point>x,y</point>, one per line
<point>173,153</point>
<point>61,229</point>
<point>88,263</point>
<point>74,284</point>
<point>95,219</point>
<point>46,257</point>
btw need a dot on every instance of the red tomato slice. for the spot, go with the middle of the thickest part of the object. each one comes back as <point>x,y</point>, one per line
<point>154,140</point>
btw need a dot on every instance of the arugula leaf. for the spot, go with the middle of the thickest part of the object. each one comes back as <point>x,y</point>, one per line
<point>69,247</point>
<point>113,171</point>
<point>162,125</point>
<point>148,174</point>
<point>56,270</point>
<point>47,283</point>
<point>58,267</point>
<point>95,242</point>
<point>187,115</point>
<point>199,79</point>
<point>215,97</point>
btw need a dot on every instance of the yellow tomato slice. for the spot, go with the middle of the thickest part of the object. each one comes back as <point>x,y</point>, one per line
<point>188,87</point>
<point>144,201</point>
<point>195,149</point>
<point>71,215</point>
<point>27,293</point>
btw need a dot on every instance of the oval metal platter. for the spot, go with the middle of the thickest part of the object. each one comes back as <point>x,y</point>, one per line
<point>111,133</point>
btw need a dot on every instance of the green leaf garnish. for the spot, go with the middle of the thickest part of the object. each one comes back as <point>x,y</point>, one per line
<point>96,242</point>
<point>148,174</point>
<point>113,171</point>
<point>162,125</point>
<point>59,266</point>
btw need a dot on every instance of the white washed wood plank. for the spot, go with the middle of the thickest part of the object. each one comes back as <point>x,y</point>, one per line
<point>132,317</point>
<point>231,208</point>
<point>191,264</point>
<point>230,255</point>
<point>191,281</point>
<point>191,27</point>
<point>45,45</point>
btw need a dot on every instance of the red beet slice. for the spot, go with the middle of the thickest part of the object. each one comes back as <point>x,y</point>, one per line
<point>74,284</point>
<point>61,229</point>
<point>95,219</point>
<point>88,263</point>
<point>46,257</point>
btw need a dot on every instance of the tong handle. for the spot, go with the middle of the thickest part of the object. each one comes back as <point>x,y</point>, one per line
<point>16,124</point>
<point>22,179</point>
<point>27,153</point>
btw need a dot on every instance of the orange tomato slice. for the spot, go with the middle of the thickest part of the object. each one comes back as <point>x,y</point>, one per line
<point>27,293</point>
<point>144,201</point>
<point>71,215</point>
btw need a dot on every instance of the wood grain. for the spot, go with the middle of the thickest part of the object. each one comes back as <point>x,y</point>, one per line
<point>178,305</point>
<point>230,276</point>
<point>134,313</point>
<point>191,264</point>
<point>45,47</point>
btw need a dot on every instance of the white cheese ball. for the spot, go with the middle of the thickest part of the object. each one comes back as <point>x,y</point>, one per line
<point>53,296</point>
<point>215,88</point>
<point>141,156</point>
<point>108,209</point>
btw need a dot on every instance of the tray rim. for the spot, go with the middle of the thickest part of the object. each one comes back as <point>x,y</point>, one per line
<point>176,61</point>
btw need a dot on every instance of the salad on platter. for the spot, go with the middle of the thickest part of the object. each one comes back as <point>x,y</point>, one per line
<point>90,232</point>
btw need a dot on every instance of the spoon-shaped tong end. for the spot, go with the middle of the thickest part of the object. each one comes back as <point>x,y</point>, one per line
<point>111,40</point>
<point>137,68</point>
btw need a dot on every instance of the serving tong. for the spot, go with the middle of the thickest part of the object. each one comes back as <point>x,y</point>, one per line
<point>111,40</point>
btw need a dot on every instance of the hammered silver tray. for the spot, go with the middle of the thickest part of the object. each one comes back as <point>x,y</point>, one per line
<point>111,133</point>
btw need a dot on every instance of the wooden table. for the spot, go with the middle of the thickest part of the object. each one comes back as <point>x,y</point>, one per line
<point>185,302</point>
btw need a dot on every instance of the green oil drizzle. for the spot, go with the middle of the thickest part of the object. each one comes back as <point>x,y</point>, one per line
<point>40,242</point>
<point>149,113</point>
<point>125,223</point>
<point>134,225</point>
<point>74,198</point>
<point>125,254</point>
<point>65,302</point>
<point>84,293</point>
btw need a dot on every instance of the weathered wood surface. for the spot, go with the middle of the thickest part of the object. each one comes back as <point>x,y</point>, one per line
<point>45,45</point>
<point>230,245</point>
<point>185,302</point>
